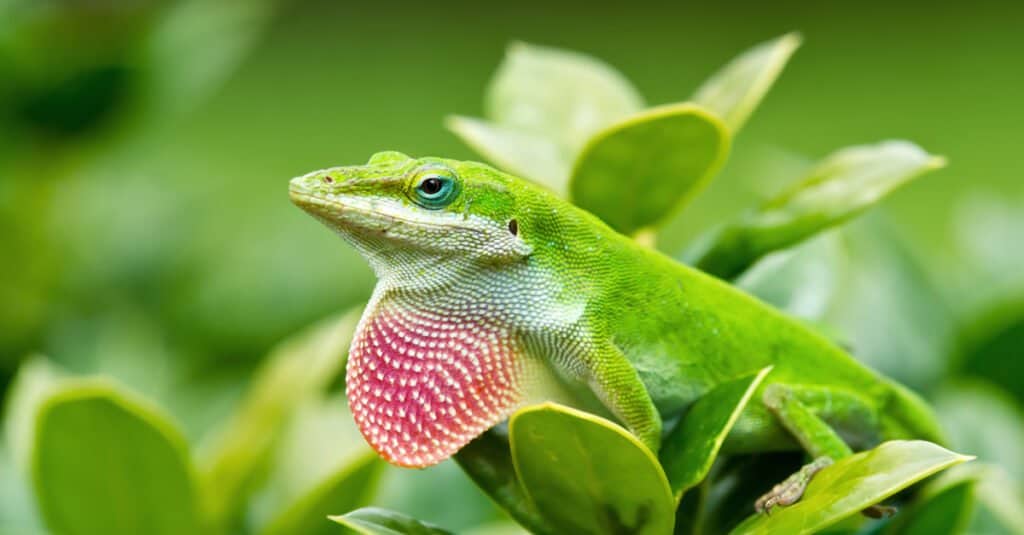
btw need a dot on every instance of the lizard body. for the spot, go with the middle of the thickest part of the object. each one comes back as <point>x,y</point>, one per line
<point>493,293</point>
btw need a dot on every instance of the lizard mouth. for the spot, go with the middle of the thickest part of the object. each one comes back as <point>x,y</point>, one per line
<point>421,386</point>
<point>364,213</point>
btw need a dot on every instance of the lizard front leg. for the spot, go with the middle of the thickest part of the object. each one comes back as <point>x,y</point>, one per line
<point>618,386</point>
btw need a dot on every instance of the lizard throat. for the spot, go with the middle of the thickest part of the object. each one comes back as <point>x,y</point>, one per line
<point>422,385</point>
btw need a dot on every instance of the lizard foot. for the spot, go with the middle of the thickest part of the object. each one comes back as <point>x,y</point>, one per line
<point>792,489</point>
<point>879,511</point>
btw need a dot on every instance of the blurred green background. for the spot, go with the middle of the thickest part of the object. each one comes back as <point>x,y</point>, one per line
<point>145,147</point>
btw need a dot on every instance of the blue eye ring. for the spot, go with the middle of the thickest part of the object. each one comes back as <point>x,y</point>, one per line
<point>434,190</point>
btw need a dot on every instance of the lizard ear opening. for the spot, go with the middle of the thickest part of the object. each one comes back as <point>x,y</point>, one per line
<point>422,386</point>
<point>513,227</point>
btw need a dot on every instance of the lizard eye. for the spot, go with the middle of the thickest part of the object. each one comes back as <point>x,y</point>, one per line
<point>435,190</point>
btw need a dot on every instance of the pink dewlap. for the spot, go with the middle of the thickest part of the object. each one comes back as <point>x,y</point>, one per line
<point>421,386</point>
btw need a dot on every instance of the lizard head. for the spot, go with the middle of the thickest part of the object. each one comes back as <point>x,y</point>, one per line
<point>408,215</point>
<point>424,378</point>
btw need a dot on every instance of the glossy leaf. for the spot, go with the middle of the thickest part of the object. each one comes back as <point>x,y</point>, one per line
<point>376,521</point>
<point>689,450</point>
<point>854,483</point>
<point>521,153</point>
<point>105,463</point>
<point>588,475</point>
<point>297,370</point>
<point>638,172</point>
<point>837,189</point>
<point>562,95</point>
<point>735,90</point>
<point>488,461</point>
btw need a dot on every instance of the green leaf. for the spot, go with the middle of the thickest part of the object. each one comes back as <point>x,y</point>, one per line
<point>837,189</point>
<point>36,379</point>
<point>343,490</point>
<point>321,466</point>
<point>854,280</point>
<point>588,475</point>
<point>804,280</point>
<point>488,461</point>
<point>854,483</point>
<point>637,173</point>
<point>690,449</point>
<point>982,420</point>
<point>562,95</point>
<point>17,505</point>
<point>735,90</point>
<point>521,153</point>
<point>296,371</point>
<point>999,500</point>
<point>736,482</point>
<point>989,343</point>
<point>105,463</point>
<point>944,510</point>
<point>543,104</point>
<point>376,521</point>
<point>196,47</point>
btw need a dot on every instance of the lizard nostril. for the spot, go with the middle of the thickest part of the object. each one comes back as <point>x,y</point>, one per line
<point>328,180</point>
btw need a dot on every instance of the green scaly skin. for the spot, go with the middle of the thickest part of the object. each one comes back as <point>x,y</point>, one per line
<point>494,293</point>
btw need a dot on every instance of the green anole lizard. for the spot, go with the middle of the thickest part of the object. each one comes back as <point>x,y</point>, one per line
<point>493,293</point>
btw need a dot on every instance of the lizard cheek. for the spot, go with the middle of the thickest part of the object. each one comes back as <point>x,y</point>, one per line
<point>422,386</point>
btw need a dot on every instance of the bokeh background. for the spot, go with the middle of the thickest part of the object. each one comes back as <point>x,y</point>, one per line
<point>145,148</point>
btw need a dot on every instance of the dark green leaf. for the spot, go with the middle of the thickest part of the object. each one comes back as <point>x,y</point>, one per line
<point>736,89</point>
<point>588,475</point>
<point>488,461</point>
<point>376,521</point>
<point>738,481</point>
<point>944,511</point>
<point>638,172</point>
<point>837,189</point>
<point>854,483</point>
<point>690,449</point>
<point>105,463</point>
<point>989,346</point>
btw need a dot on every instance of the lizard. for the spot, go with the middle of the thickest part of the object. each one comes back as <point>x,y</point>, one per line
<point>493,293</point>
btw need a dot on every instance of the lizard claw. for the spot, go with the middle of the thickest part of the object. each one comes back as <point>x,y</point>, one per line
<point>792,489</point>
